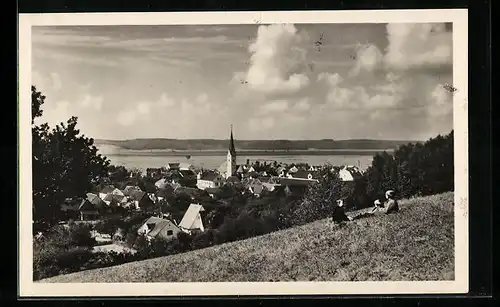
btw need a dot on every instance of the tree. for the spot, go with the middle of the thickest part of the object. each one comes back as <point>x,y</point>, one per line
<point>65,164</point>
<point>319,198</point>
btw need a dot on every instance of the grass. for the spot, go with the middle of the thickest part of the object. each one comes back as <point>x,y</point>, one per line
<point>415,244</point>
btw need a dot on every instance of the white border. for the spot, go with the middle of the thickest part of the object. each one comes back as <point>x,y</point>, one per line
<point>460,118</point>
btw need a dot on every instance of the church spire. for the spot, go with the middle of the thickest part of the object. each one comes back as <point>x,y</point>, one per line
<point>232,150</point>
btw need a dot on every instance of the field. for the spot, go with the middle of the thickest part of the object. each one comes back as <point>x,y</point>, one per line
<point>415,244</point>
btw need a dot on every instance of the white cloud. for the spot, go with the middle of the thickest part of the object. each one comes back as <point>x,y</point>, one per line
<point>418,45</point>
<point>92,101</point>
<point>368,59</point>
<point>143,108</point>
<point>442,101</point>
<point>277,63</point>
<point>331,79</point>
<point>131,115</point>
<point>165,101</point>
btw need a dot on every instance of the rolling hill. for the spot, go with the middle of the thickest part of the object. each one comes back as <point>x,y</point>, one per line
<point>415,244</point>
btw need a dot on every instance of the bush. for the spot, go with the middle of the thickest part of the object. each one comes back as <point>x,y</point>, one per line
<point>109,226</point>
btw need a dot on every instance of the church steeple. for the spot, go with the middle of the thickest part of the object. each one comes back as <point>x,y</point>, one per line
<point>232,149</point>
<point>231,157</point>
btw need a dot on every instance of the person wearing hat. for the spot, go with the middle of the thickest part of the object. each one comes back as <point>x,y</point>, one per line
<point>338,214</point>
<point>391,204</point>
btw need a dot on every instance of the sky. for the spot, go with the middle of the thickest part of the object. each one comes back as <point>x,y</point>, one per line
<point>379,81</point>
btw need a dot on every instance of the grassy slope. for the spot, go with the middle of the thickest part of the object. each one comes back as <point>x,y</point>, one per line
<point>416,244</point>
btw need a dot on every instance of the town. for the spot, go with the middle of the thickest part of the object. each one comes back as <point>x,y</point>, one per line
<point>156,188</point>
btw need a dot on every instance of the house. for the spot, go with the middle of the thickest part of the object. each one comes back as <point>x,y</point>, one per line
<point>106,190</point>
<point>160,184</point>
<point>110,190</point>
<point>296,186</point>
<point>191,221</point>
<point>141,200</point>
<point>293,170</point>
<point>173,166</point>
<point>256,188</point>
<point>119,200</point>
<point>349,173</point>
<point>281,171</point>
<point>157,227</point>
<point>241,169</point>
<point>90,207</point>
<point>312,168</point>
<point>302,174</point>
<point>270,186</point>
<point>130,189</point>
<point>187,173</point>
<point>186,167</point>
<point>209,180</point>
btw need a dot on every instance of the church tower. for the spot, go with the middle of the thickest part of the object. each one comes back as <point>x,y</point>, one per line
<point>231,157</point>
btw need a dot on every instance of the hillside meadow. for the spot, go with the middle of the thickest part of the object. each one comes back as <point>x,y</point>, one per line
<point>413,245</point>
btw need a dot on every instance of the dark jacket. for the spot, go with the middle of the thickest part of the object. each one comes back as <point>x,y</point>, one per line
<point>338,214</point>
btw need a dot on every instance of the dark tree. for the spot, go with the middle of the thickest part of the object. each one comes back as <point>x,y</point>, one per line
<point>65,164</point>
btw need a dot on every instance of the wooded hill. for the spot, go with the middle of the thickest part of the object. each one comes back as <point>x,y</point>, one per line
<point>212,144</point>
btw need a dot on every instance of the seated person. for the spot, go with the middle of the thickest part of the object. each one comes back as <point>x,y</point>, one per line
<point>338,214</point>
<point>389,206</point>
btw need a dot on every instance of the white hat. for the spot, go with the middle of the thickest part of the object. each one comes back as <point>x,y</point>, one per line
<point>389,193</point>
<point>376,202</point>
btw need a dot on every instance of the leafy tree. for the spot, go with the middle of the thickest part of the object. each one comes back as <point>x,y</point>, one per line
<point>65,164</point>
<point>319,198</point>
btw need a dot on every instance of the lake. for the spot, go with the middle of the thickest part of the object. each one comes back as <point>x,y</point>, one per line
<point>214,161</point>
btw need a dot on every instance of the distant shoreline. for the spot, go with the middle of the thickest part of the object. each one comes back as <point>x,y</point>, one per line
<point>336,152</point>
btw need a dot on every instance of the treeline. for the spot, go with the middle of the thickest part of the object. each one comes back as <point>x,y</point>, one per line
<point>210,144</point>
<point>414,169</point>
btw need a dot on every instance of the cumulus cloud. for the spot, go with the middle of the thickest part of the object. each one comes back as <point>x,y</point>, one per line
<point>277,64</point>
<point>131,115</point>
<point>332,79</point>
<point>144,108</point>
<point>418,46</point>
<point>442,101</point>
<point>92,101</point>
<point>165,101</point>
<point>416,61</point>
<point>368,59</point>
